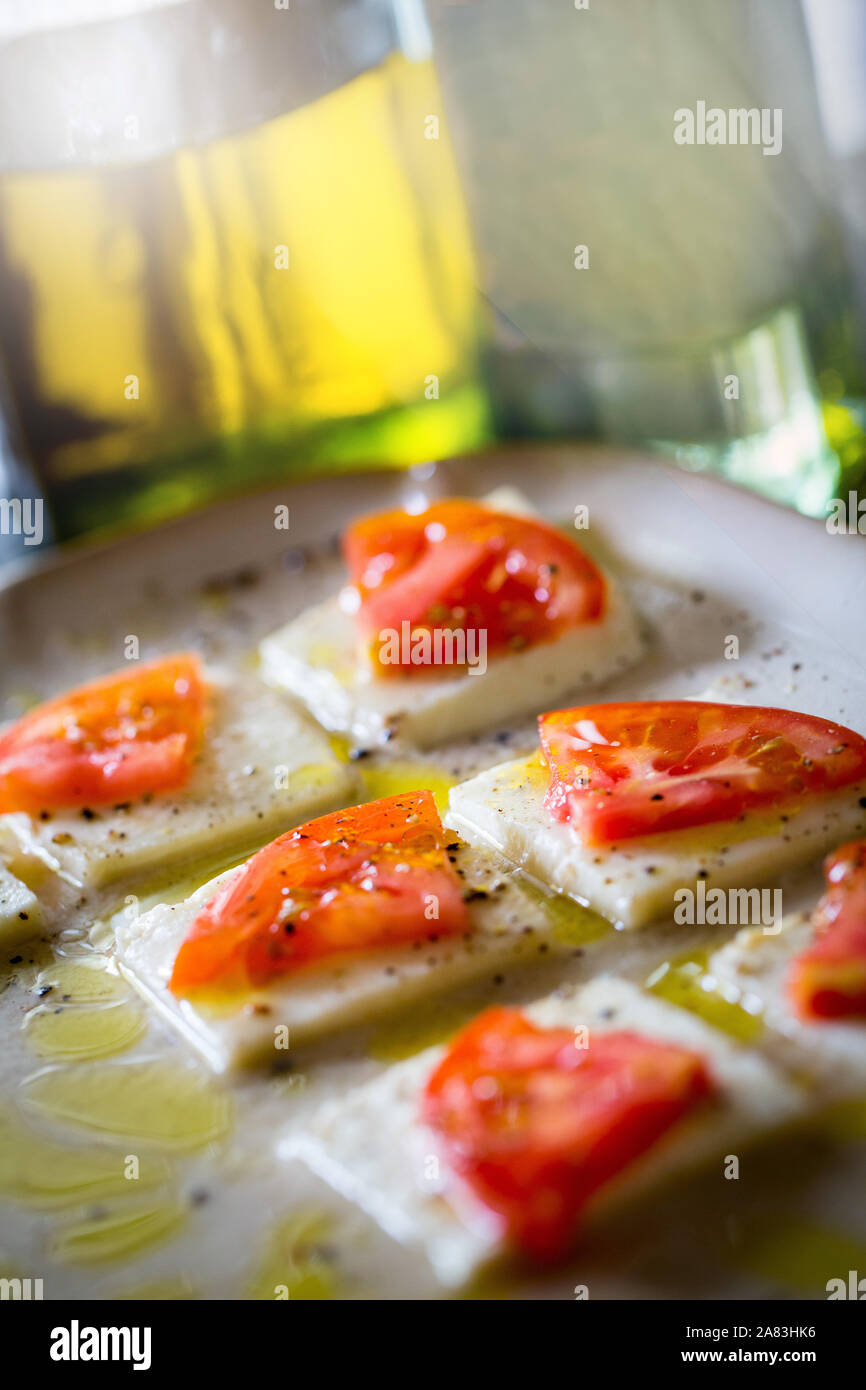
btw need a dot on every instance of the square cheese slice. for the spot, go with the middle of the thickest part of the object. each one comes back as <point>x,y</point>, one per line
<point>372,1148</point>
<point>509,927</point>
<point>316,657</point>
<point>263,768</point>
<point>751,970</point>
<point>634,882</point>
<point>20,910</point>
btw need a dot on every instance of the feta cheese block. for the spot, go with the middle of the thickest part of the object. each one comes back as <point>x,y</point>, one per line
<point>318,658</point>
<point>635,881</point>
<point>751,970</point>
<point>372,1148</point>
<point>508,928</point>
<point>20,910</point>
<point>263,767</point>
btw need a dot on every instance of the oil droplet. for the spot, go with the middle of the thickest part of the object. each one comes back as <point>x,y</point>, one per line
<point>570,922</point>
<point>86,1012</point>
<point>297,1263</point>
<point>82,982</point>
<point>173,1107</point>
<point>681,982</point>
<point>799,1254</point>
<point>40,1172</point>
<point>72,943</point>
<point>161,1290</point>
<point>116,1232</point>
<point>72,1034</point>
<point>393,778</point>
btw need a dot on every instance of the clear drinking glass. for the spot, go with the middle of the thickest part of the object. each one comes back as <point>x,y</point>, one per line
<point>693,297</point>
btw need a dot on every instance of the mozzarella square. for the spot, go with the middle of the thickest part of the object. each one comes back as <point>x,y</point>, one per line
<point>634,882</point>
<point>372,1148</point>
<point>508,928</point>
<point>751,970</point>
<point>263,768</point>
<point>316,657</point>
<point>20,910</point>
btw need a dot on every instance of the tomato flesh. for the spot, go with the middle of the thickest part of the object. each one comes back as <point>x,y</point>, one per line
<point>112,740</point>
<point>623,770</point>
<point>461,566</point>
<point>535,1124</point>
<point>366,877</point>
<point>828,979</point>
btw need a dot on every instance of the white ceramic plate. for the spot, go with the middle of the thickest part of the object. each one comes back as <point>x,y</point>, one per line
<point>703,563</point>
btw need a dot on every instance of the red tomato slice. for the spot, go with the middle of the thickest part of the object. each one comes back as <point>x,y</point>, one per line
<point>355,880</point>
<point>535,1124</point>
<point>828,979</point>
<point>132,732</point>
<point>461,566</point>
<point>625,770</point>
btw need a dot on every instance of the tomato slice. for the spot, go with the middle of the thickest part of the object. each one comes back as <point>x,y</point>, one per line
<point>828,979</point>
<point>461,566</point>
<point>132,732</point>
<point>370,876</point>
<point>623,770</point>
<point>536,1124</point>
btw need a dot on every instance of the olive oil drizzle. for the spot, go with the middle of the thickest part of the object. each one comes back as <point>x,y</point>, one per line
<point>298,1262</point>
<point>686,981</point>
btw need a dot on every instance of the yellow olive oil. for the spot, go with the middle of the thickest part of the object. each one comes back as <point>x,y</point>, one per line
<point>160,1104</point>
<point>684,981</point>
<point>293,295</point>
<point>297,1263</point>
<point>116,1232</point>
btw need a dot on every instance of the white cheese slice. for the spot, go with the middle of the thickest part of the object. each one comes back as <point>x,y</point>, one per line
<point>634,882</point>
<point>20,910</point>
<point>751,970</point>
<point>263,767</point>
<point>316,657</point>
<point>372,1148</point>
<point>508,928</point>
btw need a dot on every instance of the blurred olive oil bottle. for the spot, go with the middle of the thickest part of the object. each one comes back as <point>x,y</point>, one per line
<point>232,248</point>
